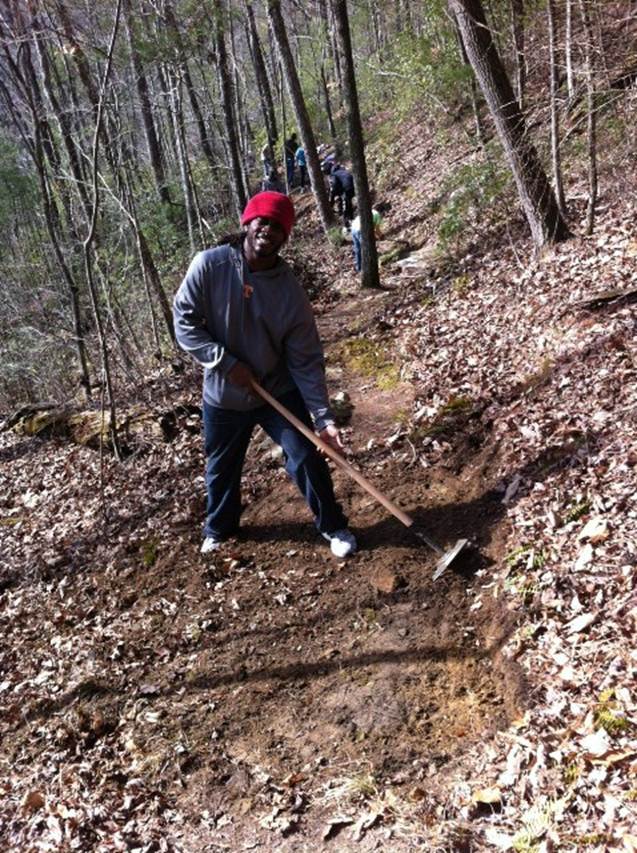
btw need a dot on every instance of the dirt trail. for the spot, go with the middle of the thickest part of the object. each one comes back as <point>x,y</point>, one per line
<point>269,691</point>
<point>339,680</point>
<point>251,700</point>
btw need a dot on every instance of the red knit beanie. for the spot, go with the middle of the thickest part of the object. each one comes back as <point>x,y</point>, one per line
<point>272,206</point>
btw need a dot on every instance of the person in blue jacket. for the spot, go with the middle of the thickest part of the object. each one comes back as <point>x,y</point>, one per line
<point>243,315</point>
<point>301,162</point>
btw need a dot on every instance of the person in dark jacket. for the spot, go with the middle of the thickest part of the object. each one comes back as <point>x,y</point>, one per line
<point>342,191</point>
<point>290,146</point>
<point>242,314</point>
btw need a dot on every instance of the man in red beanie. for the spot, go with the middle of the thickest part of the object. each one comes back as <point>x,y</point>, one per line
<point>242,314</point>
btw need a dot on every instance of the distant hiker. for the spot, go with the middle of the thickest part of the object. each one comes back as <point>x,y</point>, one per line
<point>290,150</point>
<point>301,162</point>
<point>273,183</point>
<point>342,191</point>
<point>267,159</point>
<point>242,314</point>
<point>377,221</point>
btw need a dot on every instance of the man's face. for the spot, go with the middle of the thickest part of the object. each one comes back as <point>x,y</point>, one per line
<point>264,238</point>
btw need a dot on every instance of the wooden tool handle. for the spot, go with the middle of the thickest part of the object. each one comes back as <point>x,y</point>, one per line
<point>407,520</point>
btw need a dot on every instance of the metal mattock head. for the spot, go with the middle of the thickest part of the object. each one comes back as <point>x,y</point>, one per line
<point>448,557</point>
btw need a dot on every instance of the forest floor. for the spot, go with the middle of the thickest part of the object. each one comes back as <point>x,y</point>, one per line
<point>275,698</point>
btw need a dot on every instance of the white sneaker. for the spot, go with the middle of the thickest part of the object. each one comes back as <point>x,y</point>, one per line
<point>210,544</point>
<point>342,542</point>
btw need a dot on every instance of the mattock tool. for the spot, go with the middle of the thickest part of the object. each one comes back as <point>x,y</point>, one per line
<point>445,557</point>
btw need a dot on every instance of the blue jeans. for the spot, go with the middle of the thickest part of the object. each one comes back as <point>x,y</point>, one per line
<point>356,245</point>
<point>227,435</point>
<point>289,168</point>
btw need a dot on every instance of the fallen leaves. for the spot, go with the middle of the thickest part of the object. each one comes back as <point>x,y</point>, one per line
<point>33,801</point>
<point>551,406</point>
<point>580,623</point>
<point>334,825</point>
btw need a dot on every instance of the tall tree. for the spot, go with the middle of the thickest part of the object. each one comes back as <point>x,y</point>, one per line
<point>181,58</point>
<point>536,196</point>
<point>300,112</point>
<point>38,142</point>
<point>87,245</point>
<point>568,50</point>
<point>76,164</point>
<point>150,132</point>
<point>229,118</point>
<point>589,59</point>
<point>369,255</point>
<point>261,74</point>
<point>475,103</point>
<point>518,27</point>
<point>554,107</point>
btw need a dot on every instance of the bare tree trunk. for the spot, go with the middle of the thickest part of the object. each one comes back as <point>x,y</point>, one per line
<point>398,17</point>
<point>116,324</point>
<point>406,12</point>
<point>66,132</point>
<point>283,125</point>
<point>150,132</point>
<point>369,255</point>
<point>334,46</point>
<point>372,13</point>
<point>75,50</point>
<point>591,131</point>
<point>517,26</point>
<point>568,50</point>
<point>36,147</point>
<point>88,241</point>
<point>261,74</point>
<point>73,288</point>
<point>227,101</point>
<point>184,74</point>
<point>475,104</point>
<point>178,125</point>
<point>84,73</point>
<point>150,274</point>
<point>300,112</point>
<point>240,113</point>
<point>555,117</point>
<point>536,196</point>
<point>170,140</point>
<point>328,103</point>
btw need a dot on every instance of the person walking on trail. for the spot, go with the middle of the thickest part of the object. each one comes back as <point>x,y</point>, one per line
<point>290,147</point>
<point>243,315</point>
<point>301,162</point>
<point>377,221</point>
<point>342,191</point>
<point>267,159</point>
<point>273,183</point>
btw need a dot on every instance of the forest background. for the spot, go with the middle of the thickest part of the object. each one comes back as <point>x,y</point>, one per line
<point>131,136</point>
<point>273,697</point>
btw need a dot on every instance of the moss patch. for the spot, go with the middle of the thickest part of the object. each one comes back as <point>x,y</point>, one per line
<point>369,358</point>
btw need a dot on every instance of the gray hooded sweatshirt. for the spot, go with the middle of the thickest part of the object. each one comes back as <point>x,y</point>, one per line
<point>225,313</point>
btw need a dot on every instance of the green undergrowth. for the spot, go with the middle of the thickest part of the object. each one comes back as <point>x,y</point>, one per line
<point>370,358</point>
<point>451,416</point>
<point>606,715</point>
<point>472,192</point>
